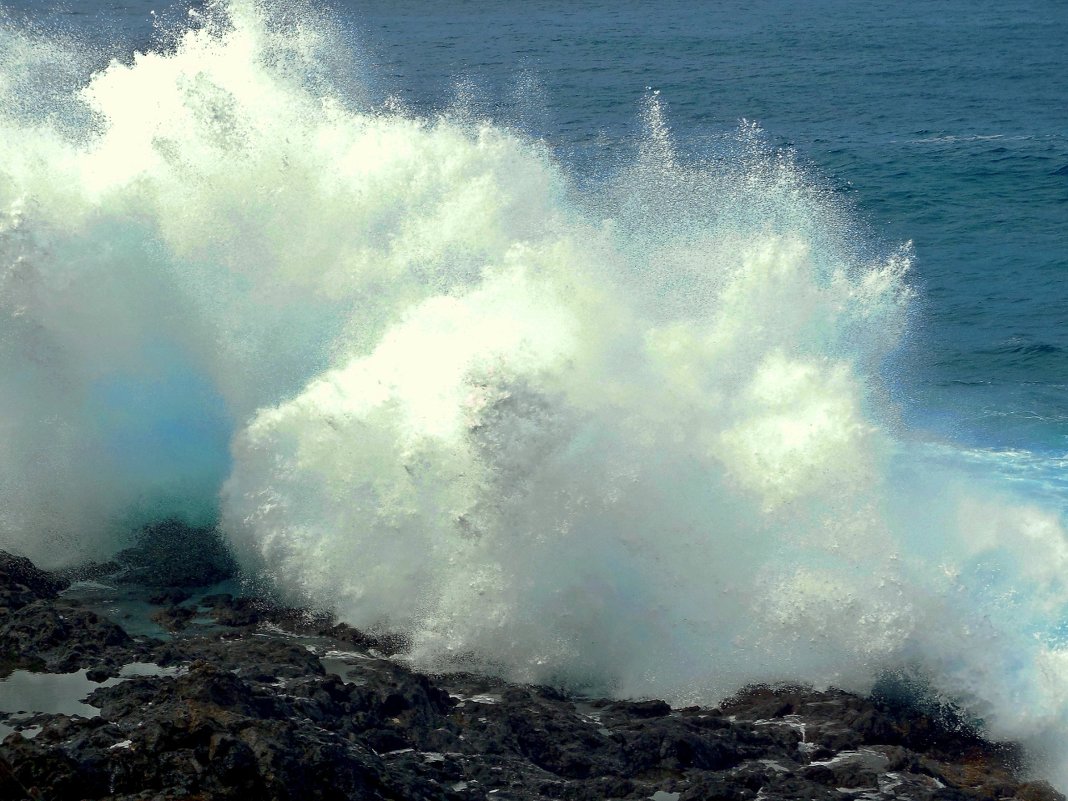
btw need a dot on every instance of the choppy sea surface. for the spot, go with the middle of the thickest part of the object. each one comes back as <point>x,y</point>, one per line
<point>653,348</point>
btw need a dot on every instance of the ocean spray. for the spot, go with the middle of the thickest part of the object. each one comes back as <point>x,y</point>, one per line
<point>633,437</point>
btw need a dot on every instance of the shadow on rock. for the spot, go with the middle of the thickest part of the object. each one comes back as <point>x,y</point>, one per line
<point>251,701</point>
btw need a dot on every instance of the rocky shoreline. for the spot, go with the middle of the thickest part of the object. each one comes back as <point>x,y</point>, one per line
<point>228,697</point>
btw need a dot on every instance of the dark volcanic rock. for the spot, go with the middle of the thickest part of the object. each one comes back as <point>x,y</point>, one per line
<point>226,610</point>
<point>169,596</point>
<point>172,554</point>
<point>174,618</point>
<point>246,709</point>
<point>22,583</point>
<point>267,657</point>
<point>60,638</point>
<point>205,734</point>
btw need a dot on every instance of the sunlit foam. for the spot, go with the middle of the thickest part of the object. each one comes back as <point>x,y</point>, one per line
<point>632,438</point>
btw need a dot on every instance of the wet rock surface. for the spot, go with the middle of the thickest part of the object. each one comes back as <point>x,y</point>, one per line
<point>252,701</point>
<point>22,583</point>
<point>171,555</point>
<point>61,637</point>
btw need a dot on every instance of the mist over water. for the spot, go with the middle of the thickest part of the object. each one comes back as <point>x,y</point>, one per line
<point>635,437</point>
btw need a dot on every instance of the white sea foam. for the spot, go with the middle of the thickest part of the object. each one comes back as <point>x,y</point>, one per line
<point>633,438</point>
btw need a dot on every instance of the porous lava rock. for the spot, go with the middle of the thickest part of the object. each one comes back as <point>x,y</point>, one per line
<point>174,554</point>
<point>22,583</point>
<point>252,701</point>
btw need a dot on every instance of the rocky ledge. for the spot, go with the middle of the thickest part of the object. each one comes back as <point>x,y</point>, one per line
<point>237,699</point>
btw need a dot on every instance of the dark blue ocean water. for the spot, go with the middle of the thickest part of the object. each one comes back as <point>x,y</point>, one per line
<point>946,124</point>
<point>942,124</point>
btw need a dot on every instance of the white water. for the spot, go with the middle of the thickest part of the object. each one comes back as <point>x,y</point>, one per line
<point>635,439</point>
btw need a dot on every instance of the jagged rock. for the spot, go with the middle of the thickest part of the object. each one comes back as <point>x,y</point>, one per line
<point>173,554</point>
<point>236,612</point>
<point>22,583</point>
<point>174,618</point>
<point>252,712</point>
<point>60,637</point>
<point>269,658</point>
<point>169,596</point>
